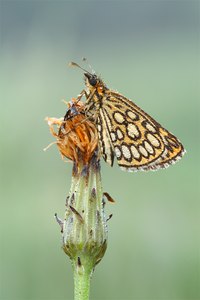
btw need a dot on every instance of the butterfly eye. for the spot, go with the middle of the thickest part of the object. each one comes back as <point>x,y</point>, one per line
<point>93,81</point>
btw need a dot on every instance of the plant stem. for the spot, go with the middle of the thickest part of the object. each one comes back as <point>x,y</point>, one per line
<point>82,274</point>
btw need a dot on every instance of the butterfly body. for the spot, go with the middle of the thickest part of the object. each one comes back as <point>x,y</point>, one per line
<point>126,132</point>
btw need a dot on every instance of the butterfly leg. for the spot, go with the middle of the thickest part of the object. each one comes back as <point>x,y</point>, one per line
<point>82,93</point>
<point>88,113</point>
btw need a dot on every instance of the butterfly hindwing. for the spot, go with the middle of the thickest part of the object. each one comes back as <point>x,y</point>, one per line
<point>138,141</point>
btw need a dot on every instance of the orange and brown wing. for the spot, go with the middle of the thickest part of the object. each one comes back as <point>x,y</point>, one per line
<point>136,139</point>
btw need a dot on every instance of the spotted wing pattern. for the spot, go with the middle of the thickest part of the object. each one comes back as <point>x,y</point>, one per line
<point>133,137</point>
<point>105,143</point>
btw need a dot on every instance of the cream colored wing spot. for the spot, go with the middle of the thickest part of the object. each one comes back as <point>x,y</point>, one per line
<point>118,152</point>
<point>135,152</point>
<point>119,134</point>
<point>113,136</point>
<point>126,152</point>
<point>99,127</point>
<point>132,131</point>
<point>132,115</point>
<point>150,127</point>
<point>153,140</point>
<point>143,151</point>
<point>119,117</point>
<point>148,147</point>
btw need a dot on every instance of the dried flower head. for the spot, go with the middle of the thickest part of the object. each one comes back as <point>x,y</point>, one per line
<point>77,137</point>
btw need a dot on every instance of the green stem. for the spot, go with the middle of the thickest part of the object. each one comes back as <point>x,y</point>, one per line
<point>82,275</point>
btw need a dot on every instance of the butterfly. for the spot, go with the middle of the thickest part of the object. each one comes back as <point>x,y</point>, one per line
<point>125,131</point>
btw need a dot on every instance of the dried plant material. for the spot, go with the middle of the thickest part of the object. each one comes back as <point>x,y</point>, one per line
<point>76,136</point>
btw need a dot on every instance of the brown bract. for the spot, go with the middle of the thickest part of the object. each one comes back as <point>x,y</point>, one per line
<point>77,137</point>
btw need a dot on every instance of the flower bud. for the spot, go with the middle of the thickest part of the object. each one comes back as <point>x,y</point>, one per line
<point>84,230</point>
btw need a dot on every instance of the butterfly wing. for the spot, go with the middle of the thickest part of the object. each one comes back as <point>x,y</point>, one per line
<point>136,139</point>
<point>104,140</point>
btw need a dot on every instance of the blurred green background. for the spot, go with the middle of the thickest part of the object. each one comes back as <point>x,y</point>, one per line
<point>146,50</point>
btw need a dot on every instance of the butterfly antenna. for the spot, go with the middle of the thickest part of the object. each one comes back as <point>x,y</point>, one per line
<point>73,64</point>
<point>90,67</point>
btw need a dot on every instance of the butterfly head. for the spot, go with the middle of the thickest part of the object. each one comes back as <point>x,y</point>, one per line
<point>92,81</point>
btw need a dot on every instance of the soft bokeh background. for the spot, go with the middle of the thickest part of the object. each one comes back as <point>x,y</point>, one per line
<point>148,51</point>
